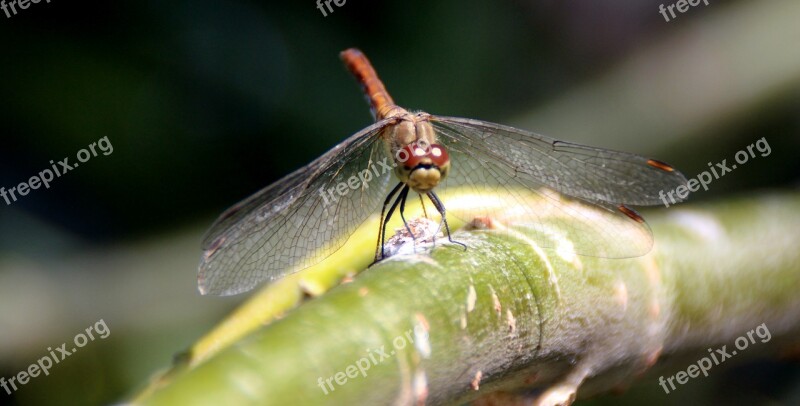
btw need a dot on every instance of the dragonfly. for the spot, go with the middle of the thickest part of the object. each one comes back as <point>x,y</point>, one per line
<point>309,214</point>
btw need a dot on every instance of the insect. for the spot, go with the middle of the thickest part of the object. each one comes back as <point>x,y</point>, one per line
<point>305,217</point>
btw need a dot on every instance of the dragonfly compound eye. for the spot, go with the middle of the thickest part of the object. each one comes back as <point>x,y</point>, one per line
<point>439,156</point>
<point>412,156</point>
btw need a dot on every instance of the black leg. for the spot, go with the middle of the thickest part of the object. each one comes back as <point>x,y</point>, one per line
<point>403,197</point>
<point>440,207</point>
<point>385,220</point>
<point>381,228</point>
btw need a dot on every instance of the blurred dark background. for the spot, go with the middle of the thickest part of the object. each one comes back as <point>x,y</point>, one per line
<point>206,102</point>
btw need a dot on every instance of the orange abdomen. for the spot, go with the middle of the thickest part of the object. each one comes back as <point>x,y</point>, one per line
<point>378,98</point>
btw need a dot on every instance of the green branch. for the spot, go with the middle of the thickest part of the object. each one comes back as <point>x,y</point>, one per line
<point>507,316</point>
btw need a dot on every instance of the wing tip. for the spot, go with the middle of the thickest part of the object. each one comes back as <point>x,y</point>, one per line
<point>213,287</point>
<point>211,281</point>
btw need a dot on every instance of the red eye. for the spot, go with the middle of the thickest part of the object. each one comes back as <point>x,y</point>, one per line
<point>438,155</point>
<point>413,155</point>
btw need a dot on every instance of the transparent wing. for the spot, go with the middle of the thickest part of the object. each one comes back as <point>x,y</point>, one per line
<point>296,222</point>
<point>487,156</point>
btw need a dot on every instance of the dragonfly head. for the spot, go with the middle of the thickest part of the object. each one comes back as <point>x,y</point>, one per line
<point>422,166</point>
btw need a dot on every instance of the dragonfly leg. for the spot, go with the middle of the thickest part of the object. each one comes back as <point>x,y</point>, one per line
<point>403,196</point>
<point>422,203</point>
<point>440,207</point>
<point>384,220</point>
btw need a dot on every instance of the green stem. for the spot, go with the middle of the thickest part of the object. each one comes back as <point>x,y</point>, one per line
<point>506,315</point>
